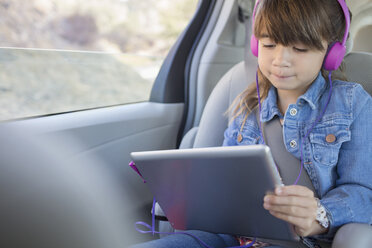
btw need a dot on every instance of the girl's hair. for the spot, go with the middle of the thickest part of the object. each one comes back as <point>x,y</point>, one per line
<point>288,22</point>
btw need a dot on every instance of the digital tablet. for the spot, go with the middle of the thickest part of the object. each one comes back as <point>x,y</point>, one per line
<point>217,189</point>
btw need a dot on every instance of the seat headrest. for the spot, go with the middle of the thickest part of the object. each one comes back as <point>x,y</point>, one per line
<point>358,69</point>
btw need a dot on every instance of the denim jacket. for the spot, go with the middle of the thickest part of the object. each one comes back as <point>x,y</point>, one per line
<point>341,168</point>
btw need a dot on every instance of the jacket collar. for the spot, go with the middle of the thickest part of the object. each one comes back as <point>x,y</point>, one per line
<point>311,96</point>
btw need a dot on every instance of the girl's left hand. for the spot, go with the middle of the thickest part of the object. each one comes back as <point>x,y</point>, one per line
<point>295,204</point>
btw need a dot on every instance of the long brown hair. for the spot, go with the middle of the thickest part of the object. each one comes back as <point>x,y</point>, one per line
<point>289,22</point>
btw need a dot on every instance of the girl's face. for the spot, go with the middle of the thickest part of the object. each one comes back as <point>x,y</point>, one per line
<point>289,68</point>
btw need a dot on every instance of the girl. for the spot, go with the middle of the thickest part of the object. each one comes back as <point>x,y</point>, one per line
<point>324,123</point>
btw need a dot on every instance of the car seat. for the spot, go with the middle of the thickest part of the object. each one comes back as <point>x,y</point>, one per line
<point>213,123</point>
<point>50,198</point>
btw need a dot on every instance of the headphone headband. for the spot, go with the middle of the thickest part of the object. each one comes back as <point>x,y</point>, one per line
<point>336,51</point>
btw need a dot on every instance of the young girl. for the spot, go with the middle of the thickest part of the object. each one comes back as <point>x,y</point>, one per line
<point>325,123</point>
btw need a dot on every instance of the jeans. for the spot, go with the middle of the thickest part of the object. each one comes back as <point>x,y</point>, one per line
<point>186,241</point>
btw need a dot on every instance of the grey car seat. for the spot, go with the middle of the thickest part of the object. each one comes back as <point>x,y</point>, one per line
<point>50,198</point>
<point>213,123</point>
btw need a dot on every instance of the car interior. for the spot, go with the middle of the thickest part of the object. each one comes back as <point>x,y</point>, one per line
<point>204,71</point>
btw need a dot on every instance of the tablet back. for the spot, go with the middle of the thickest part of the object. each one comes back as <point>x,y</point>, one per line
<point>219,189</point>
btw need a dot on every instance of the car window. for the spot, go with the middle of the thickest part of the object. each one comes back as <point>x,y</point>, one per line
<point>65,55</point>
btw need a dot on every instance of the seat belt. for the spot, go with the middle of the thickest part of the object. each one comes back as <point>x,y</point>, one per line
<point>287,164</point>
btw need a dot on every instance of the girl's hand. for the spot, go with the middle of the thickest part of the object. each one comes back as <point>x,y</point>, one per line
<point>296,205</point>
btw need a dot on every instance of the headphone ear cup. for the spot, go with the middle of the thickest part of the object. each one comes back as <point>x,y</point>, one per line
<point>334,56</point>
<point>254,45</point>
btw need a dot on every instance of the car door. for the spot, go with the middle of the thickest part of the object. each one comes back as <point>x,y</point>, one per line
<point>149,119</point>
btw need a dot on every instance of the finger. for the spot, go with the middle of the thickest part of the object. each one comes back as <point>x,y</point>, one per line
<point>292,210</point>
<point>296,190</point>
<point>305,202</point>
<point>301,223</point>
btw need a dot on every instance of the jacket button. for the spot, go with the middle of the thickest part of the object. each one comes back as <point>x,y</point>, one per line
<point>240,138</point>
<point>330,138</point>
<point>293,143</point>
<point>293,111</point>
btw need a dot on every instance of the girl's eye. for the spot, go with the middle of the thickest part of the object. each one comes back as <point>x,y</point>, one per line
<point>301,50</point>
<point>269,45</point>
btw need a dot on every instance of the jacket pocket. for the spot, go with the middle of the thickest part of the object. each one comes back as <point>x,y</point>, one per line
<point>249,136</point>
<point>326,143</point>
<point>249,140</point>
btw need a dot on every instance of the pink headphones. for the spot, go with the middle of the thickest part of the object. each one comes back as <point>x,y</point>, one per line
<point>336,51</point>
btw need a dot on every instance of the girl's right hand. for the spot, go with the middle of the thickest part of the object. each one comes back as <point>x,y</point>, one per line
<point>297,205</point>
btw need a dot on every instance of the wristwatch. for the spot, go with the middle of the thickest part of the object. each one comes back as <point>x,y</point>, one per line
<point>321,215</point>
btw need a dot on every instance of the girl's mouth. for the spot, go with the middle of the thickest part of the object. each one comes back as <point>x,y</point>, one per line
<point>282,76</point>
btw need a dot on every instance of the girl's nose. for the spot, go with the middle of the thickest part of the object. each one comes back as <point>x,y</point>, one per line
<point>282,56</point>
